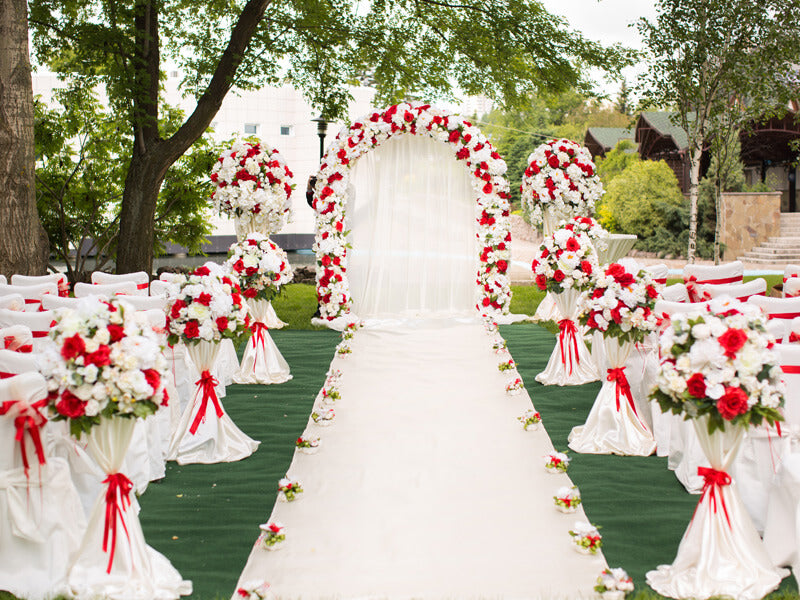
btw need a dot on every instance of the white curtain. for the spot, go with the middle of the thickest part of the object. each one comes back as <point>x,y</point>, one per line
<point>411,213</point>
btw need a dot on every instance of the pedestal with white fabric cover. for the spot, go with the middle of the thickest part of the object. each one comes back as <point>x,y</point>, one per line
<point>114,561</point>
<point>262,362</point>
<point>614,425</point>
<point>547,309</point>
<point>570,363</point>
<point>41,518</point>
<point>721,553</point>
<point>205,433</point>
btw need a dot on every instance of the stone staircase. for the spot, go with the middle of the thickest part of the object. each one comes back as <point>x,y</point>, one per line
<point>781,250</point>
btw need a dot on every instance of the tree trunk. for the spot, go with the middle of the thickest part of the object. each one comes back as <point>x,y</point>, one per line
<point>24,247</point>
<point>718,212</point>
<point>694,189</point>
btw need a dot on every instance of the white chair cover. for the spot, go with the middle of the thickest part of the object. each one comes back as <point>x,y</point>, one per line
<point>129,288</point>
<point>17,338</point>
<point>3,280</point>
<point>262,362</point>
<point>38,322</point>
<point>147,302</point>
<point>15,363</point>
<point>60,279</point>
<point>792,333</point>
<point>740,291</point>
<point>32,294</point>
<point>792,287</point>
<point>732,272</point>
<point>790,271</point>
<point>205,433</point>
<point>41,519</point>
<point>675,293</point>
<point>50,302</point>
<point>780,329</point>
<point>777,308</point>
<point>12,302</point>
<point>162,288</point>
<point>140,278</point>
<point>614,425</point>
<point>781,538</point>
<point>659,273</point>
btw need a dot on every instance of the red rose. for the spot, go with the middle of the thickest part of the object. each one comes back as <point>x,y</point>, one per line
<point>502,266</point>
<point>70,405</point>
<point>545,253</point>
<point>732,403</point>
<point>250,293</point>
<point>117,332</point>
<point>553,161</point>
<point>486,301</point>
<point>454,136</point>
<point>73,346</point>
<point>201,271</point>
<point>651,292</point>
<point>222,323</point>
<point>204,299</point>
<point>573,245</point>
<point>487,189</point>
<point>696,385</point>
<point>732,341</point>
<point>541,282</point>
<point>153,379</point>
<point>558,275</point>
<point>101,357</point>
<point>586,267</point>
<point>191,330</point>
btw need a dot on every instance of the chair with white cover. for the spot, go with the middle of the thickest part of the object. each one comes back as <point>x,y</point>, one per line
<point>107,290</point>
<point>38,322</point>
<point>140,278</point>
<point>732,272</point>
<point>739,291</point>
<point>50,302</point>
<point>17,338</point>
<point>658,272</point>
<point>147,302</point>
<point>791,288</point>
<point>675,293</point>
<point>162,288</point>
<point>41,515</point>
<point>60,279</point>
<point>780,311</point>
<point>790,271</point>
<point>13,302</point>
<point>3,280</point>
<point>15,363</point>
<point>32,294</point>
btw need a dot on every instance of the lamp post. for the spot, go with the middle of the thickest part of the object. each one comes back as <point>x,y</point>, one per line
<point>322,127</point>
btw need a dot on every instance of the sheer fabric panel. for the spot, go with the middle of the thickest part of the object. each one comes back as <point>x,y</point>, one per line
<point>411,213</point>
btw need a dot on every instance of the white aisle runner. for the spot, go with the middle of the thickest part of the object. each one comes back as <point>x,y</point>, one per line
<point>426,485</point>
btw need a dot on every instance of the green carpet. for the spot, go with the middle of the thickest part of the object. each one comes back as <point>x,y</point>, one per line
<point>204,518</point>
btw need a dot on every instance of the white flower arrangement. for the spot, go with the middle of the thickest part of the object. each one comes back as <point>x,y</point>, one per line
<point>307,445</point>
<point>289,489</point>
<point>500,346</point>
<point>515,387</point>
<point>487,171</point>
<point>333,376</point>
<point>593,230</point>
<point>567,499</point>
<point>622,302</point>
<point>272,536</point>
<point>106,361</point>
<point>208,307</point>
<point>530,420</point>
<point>614,580</point>
<point>507,365</point>
<point>323,417</point>
<point>329,394</point>
<point>556,462</point>
<point>261,266</point>
<point>586,538</point>
<point>561,176</point>
<point>490,325</point>
<point>343,349</point>
<point>720,363</point>
<point>254,590</point>
<point>566,260</point>
<point>252,180</point>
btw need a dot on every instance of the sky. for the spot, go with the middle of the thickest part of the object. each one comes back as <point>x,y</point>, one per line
<point>606,21</point>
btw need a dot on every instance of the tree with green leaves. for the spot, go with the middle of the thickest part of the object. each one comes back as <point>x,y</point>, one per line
<point>705,56</point>
<point>507,50</point>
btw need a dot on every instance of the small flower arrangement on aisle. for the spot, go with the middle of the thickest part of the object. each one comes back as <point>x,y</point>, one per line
<point>514,387</point>
<point>254,590</point>
<point>508,365</point>
<point>261,266</point>
<point>613,584</point>
<point>530,420</point>
<point>307,445</point>
<point>289,489</point>
<point>556,462</point>
<point>586,538</point>
<point>323,417</point>
<point>500,346</point>
<point>329,394</point>
<point>272,535</point>
<point>490,325</point>
<point>567,499</point>
<point>343,349</point>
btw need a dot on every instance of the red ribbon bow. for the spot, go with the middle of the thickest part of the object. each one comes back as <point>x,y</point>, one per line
<point>568,330</point>
<point>617,375</point>
<point>793,337</point>
<point>11,343</point>
<point>713,482</point>
<point>259,330</point>
<point>28,420</point>
<point>117,500</point>
<point>207,383</point>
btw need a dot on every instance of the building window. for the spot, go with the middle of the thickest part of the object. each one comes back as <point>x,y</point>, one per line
<point>251,128</point>
<point>287,130</point>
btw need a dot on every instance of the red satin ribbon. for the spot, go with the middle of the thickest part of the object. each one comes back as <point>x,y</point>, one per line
<point>4,375</point>
<point>568,330</point>
<point>793,337</point>
<point>791,369</point>
<point>207,383</point>
<point>661,280</point>
<point>117,500</point>
<point>40,334</point>
<point>617,375</point>
<point>142,286</point>
<point>692,283</point>
<point>11,343</point>
<point>713,482</point>
<point>259,331</point>
<point>744,298</point>
<point>790,315</point>
<point>29,420</point>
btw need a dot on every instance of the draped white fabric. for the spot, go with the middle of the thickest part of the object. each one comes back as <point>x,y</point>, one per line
<point>425,485</point>
<point>412,218</point>
<point>271,319</point>
<point>614,425</point>
<point>721,554</point>
<point>262,362</point>
<point>138,572</point>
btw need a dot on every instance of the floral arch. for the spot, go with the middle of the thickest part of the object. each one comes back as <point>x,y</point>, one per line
<point>487,169</point>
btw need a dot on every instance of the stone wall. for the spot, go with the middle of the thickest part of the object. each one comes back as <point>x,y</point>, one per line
<point>748,219</point>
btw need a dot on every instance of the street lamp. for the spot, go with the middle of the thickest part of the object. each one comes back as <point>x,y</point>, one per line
<point>322,127</point>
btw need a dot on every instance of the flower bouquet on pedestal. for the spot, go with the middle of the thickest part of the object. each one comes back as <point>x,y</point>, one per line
<point>620,308</point>
<point>105,370</point>
<point>613,584</point>
<point>272,536</point>
<point>567,499</point>
<point>567,265</point>
<point>208,309</point>
<point>262,269</point>
<point>718,369</point>
<point>586,538</point>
